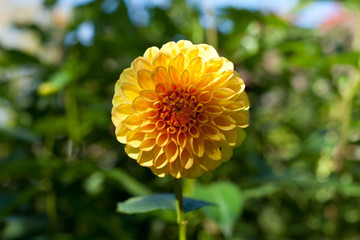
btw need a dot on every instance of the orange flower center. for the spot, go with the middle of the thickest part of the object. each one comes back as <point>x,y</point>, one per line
<point>179,109</point>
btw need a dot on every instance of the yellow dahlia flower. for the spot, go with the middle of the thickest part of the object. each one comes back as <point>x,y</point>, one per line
<point>180,109</point>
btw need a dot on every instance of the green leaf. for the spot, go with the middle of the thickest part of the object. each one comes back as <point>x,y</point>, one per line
<point>156,202</point>
<point>132,186</point>
<point>229,200</point>
<point>261,191</point>
<point>20,133</point>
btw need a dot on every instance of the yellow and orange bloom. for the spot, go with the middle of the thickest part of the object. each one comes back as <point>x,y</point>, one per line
<point>180,109</point>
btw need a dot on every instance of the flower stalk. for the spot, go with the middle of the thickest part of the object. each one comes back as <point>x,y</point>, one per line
<point>180,209</point>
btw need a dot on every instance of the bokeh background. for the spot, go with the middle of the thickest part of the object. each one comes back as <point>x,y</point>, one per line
<point>296,176</point>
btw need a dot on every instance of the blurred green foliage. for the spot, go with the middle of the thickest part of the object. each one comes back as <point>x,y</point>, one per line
<point>296,176</point>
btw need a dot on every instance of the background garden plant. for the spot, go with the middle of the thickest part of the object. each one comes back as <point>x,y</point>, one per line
<point>62,170</point>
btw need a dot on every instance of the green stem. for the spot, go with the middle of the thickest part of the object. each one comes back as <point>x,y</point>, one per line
<point>180,209</point>
<point>51,210</point>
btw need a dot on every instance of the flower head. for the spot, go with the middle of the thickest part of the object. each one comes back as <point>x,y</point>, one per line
<point>180,109</point>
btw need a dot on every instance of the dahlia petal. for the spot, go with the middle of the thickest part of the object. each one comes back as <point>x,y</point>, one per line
<point>227,66</point>
<point>199,108</point>
<point>223,93</point>
<point>135,138</point>
<point>117,99</point>
<point>132,152</point>
<point>122,111</point>
<point>174,74</point>
<point>184,43</point>
<point>151,113</point>
<point>205,97</point>
<point>149,95</point>
<point>162,139</point>
<point>192,89</point>
<point>172,86</point>
<point>194,131</point>
<point>213,110</point>
<point>161,59</point>
<point>244,101</point>
<point>161,172</point>
<point>191,52</point>
<point>241,118</point>
<point>185,77</point>
<point>212,150</point>
<point>181,139</point>
<point>141,63</point>
<point>161,161</point>
<point>145,80</point>
<point>171,130</point>
<point>146,158</point>
<point>148,144</point>
<point>236,84</point>
<point>139,105</point>
<point>150,53</point>
<point>205,80</point>
<point>202,118</point>
<point>157,105</point>
<point>121,132</point>
<point>133,121</point>
<point>231,137</point>
<point>195,170</point>
<point>208,164</point>
<point>160,74</point>
<point>160,89</point>
<point>226,152</point>
<point>224,122</point>
<point>196,67</point>
<point>186,158</point>
<point>241,137</point>
<point>171,48</point>
<point>175,169</point>
<point>197,146</point>
<point>235,106</point>
<point>209,51</point>
<point>160,124</point>
<point>127,76</point>
<point>210,132</point>
<point>214,65</point>
<point>171,151</point>
<point>129,92</point>
<point>116,121</point>
<point>180,62</point>
<point>222,79</point>
<point>147,126</point>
